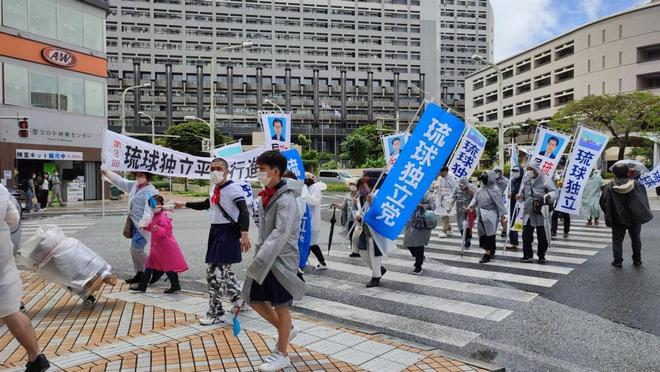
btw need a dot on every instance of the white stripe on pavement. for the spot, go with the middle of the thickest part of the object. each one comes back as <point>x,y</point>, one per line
<point>413,299</point>
<point>396,323</point>
<point>553,243</point>
<point>495,262</point>
<point>549,257</point>
<point>452,285</point>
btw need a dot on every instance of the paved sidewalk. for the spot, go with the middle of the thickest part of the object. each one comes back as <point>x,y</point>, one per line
<point>126,331</point>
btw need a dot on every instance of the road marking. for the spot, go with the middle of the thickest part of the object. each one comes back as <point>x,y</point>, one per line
<point>562,259</point>
<point>415,299</point>
<point>452,285</point>
<point>495,262</point>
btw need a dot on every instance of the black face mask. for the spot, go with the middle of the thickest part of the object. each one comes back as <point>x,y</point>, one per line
<point>484,179</point>
<point>309,182</point>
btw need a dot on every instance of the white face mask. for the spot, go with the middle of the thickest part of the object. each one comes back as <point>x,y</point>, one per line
<point>217,177</point>
<point>530,174</point>
<point>263,178</point>
<point>56,174</point>
<point>353,188</point>
<point>158,209</point>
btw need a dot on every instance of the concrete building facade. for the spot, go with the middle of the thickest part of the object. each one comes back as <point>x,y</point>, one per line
<point>616,54</point>
<point>361,59</point>
<point>53,74</point>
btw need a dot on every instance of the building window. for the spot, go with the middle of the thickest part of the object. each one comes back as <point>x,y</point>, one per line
<point>603,35</point>
<point>588,89</point>
<point>71,94</point>
<point>42,21</point>
<point>602,88</point>
<point>589,41</point>
<point>15,14</point>
<point>620,85</point>
<point>16,85</point>
<point>94,98</point>
<point>620,58</point>
<point>648,53</point>
<point>603,62</point>
<point>43,90</point>
<point>69,25</point>
<point>620,31</point>
<point>562,98</point>
<point>648,81</point>
<point>93,29</point>
<point>588,65</point>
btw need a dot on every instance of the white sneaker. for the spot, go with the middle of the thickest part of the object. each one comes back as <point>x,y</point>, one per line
<point>292,335</point>
<point>442,234</point>
<point>321,267</point>
<point>275,362</point>
<point>209,320</point>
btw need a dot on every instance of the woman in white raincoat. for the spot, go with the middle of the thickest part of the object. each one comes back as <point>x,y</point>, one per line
<point>139,193</point>
<point>590,197</point>
<point>11,287</point>
<point>488,205</point>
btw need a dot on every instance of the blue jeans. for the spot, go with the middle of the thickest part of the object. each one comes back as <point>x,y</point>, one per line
<point>29,197</point>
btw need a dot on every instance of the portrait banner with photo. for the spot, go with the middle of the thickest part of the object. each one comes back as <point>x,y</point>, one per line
<point>392,147</point>
<point>467,155</point>
<point>588,147</point>
<point>550,146</point>
<point>277,129</point>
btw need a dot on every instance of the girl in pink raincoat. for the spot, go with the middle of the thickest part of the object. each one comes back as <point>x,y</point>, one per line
<point>165,255</point>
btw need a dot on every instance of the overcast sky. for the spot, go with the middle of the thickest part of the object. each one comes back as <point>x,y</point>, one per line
<point>521,24</point>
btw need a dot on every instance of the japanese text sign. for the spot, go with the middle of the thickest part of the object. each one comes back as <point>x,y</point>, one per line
<point>468,153</point>
<point>651,179</point>
<point>294,163</point>
<point>588,147</point>
<point>427,150</point>
<point>550,146</point>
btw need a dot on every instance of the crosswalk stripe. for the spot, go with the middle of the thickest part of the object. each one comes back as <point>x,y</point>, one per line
<point>453,285</point>
<point>579,231</point>
<point>549,257</point>
<point>510,264</point>
<point>553,243</point>
<point>393,323</point>
<point>553,248</point>
<point>467,272</point>
<point>405,298</point>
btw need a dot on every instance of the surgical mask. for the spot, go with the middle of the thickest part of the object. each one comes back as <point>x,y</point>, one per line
<point>217,177</point>
<point>158,209</point>
<point>353,188</point>
<point>56,174</point>
<point>141,180</point>
<point>515,174</point>
<point>530,174</point>
<point>364,192</point>
<point>263,178</point>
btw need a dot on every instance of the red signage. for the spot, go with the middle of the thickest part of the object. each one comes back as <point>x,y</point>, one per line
<point>58,57</point>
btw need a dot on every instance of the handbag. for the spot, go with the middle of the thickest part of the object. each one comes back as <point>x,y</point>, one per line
<point>424,219</point>
<point>128,228</point>
<point>236,227</point>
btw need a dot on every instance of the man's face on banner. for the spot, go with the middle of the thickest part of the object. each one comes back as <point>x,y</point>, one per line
<point>277,127</point>
<point>551,146</point>
<point>396,145</point>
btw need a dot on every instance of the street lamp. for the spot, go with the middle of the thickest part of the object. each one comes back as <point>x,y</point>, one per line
<point>211,128</point>
<point>123,104</point>
<point>245,44</point>
<point>500,97</point>
<point>153,126</point>
<point>274,104</point>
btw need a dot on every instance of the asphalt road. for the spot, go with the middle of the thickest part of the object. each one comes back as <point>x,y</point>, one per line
<point>595,318</point>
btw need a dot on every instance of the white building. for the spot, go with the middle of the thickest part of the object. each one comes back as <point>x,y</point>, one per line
<point>616,54</point>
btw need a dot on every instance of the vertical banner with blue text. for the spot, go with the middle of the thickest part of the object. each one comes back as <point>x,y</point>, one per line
<point>295,165</point>
<point>436,135</point>
<point>468,153</point>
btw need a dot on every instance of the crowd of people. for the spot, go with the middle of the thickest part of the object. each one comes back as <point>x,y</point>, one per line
<point>43,190</point>
<point>274,275</point>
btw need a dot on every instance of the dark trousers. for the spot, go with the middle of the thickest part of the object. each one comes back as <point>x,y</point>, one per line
<point>418,253</point>
<point>317,253</point>
<point>468,237</point>
<point>43,198</point>
<point>528,239</point>
<point>619,233</point>
<point>488,242</point>
<point>555,222</point>
<point>148,273</point>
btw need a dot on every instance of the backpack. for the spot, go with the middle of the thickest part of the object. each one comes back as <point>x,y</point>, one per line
<point>424,219</point>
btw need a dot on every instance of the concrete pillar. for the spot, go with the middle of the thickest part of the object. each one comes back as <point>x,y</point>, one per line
<point>200,91</point>
<point>396,93</point>
<point>230,92</point>
<point>259,88</point>
<point>370,96</point>
<point>287,78</point>
<point>343,98</point>
<point>168,94</point>
<point>316,98</point>
<point>136,96</point>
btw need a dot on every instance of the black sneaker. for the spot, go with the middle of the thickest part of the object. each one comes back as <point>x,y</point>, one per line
<point>542,260</point>
<point>637,263</point>
<point>418,271</point>
<point>137,288</point>
<point>172,290</point>
<point>136,278</point>
<point>38,365</point>
<point>485,258</point>
<point>526,259</point>
<point>617,264</point>
<point>354,255</point>
<point>374,282</point>
<point>503,234</point>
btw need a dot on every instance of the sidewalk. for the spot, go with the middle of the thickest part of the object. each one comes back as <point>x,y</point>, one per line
<point>125,331</point>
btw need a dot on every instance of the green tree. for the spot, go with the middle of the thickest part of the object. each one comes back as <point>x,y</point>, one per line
<point>490,152</point>
<point>190,134</point>
<point>619,115</point>
<point>355,150</point>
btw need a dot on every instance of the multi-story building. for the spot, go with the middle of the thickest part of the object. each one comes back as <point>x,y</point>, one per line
<point>53,89</point>
<point>363,59</point>
<point>615,54</point>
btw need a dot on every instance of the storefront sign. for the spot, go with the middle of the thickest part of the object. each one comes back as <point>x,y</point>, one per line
<point>75,191</point>
<point>58,57</point>
<point>48,155</point>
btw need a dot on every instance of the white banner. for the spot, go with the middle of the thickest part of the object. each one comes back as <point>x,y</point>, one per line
<point>651,179</point>
<point>123,153</point>
<point>467,155</point>
<point>550,146</point>
<point>392,147</point>
<point>588,147</point>
<point>277,129</point>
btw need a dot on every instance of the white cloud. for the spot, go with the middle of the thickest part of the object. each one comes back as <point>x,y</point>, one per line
<point>591,8</point>
<point>520,25</point>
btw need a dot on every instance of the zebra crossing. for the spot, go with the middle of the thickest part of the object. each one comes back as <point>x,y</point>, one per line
<point>69,224</point>
<point>455,298</point>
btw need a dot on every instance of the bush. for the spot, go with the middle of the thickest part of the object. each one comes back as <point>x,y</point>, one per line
<point>330,165</point>
<point>161,184</point>
<point>192,193</point>
<point>337,187</point>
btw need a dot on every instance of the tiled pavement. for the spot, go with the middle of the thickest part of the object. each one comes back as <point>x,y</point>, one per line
<point>152,331</point>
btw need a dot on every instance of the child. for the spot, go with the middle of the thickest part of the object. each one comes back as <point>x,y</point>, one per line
<point>165,254</point>
<point>271,283</point>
